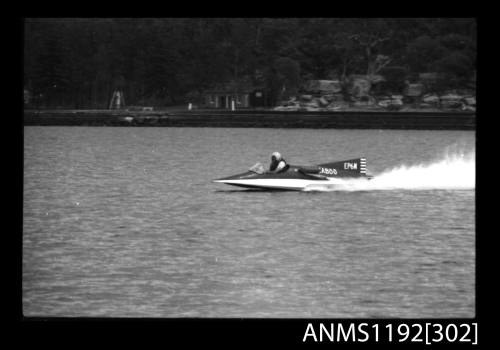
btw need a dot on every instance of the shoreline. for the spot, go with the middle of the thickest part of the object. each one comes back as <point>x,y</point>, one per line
<point>345,119</point>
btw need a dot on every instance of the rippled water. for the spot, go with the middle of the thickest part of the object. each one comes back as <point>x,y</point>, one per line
<point>126,222</point>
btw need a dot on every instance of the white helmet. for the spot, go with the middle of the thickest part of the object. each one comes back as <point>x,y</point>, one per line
<point>276,155</point>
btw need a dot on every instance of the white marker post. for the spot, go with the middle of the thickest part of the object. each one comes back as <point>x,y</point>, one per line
<point>118,100</point>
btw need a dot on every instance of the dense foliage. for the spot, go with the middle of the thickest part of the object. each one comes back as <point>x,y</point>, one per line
<point>77,63</point>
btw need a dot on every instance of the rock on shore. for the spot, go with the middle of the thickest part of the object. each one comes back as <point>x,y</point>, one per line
<point>356,93</point>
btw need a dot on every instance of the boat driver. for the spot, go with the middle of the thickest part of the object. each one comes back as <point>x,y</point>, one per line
<point>278,163</point>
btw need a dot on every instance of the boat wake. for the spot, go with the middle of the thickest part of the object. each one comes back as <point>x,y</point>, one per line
<point>455,171</point>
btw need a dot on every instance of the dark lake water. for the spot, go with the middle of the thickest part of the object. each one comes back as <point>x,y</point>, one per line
<point>126,222</point>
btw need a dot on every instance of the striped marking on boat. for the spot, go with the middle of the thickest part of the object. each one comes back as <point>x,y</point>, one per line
<point>362,165</point>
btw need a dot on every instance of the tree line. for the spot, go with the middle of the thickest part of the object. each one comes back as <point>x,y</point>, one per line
<point>78,63</point>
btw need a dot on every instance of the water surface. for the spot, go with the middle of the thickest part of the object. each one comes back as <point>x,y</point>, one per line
<point>126,222</point>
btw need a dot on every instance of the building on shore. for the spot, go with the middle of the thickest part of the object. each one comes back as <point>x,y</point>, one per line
<point>244,95</point>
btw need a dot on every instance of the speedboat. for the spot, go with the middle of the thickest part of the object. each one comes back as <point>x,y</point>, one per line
<point>296,177</point>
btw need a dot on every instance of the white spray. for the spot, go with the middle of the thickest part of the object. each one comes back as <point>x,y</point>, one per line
<point>455,171</point>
